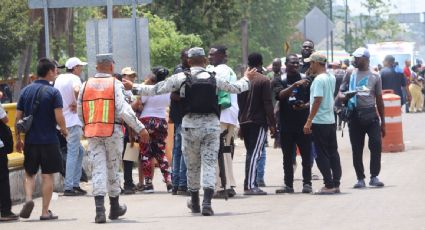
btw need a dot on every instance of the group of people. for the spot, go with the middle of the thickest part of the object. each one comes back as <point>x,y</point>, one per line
<point>406,83</point>
<point>205,98</point>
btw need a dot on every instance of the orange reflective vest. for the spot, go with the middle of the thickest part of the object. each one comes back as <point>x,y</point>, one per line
<point>99,107</point>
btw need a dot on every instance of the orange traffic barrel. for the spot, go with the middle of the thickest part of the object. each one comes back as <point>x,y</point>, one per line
<point>393,140</point>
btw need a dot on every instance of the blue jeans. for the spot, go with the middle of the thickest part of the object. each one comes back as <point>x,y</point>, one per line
<point>178,176</point>
<point>74,157</point>
<point>261,164</point>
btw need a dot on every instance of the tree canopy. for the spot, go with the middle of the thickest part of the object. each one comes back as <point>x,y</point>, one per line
<point>178,24</point>
<point>15,33</point>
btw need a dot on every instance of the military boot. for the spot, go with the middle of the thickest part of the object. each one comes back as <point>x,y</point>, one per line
<point>206,203</point>
<point>100,209</point>
<point>193,202</point>
<point>116,210</point>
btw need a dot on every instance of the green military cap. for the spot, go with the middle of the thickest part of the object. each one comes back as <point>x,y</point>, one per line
<point>104,58</point>
<point>196,52</point>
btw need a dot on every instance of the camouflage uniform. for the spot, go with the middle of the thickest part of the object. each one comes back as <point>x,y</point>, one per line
<point>105,153</point>
<point>200,133</point>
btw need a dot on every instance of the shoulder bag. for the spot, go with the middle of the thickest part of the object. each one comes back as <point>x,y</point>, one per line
<point>24,124</point>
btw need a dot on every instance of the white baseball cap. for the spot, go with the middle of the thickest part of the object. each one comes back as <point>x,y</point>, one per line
<point>361,52</point>
<point>74,61</point>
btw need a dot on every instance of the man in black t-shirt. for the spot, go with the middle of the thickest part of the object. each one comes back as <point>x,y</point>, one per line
<point>306,50</point>
<point>179,178</point>
<point>292,91</point>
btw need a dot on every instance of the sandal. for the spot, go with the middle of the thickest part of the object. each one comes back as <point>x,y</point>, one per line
<point>49,217</point>
<point>27,209</point>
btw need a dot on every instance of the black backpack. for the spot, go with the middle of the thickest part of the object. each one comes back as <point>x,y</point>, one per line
<point>200,94</point>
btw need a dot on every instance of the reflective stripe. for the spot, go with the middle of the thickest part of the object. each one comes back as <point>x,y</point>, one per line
<point>105,111</point>
<point>91,111</point>
<point>393,119</point>
<point>394,103</point>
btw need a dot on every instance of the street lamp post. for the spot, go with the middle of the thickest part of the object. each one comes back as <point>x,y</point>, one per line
<point>332,32</point>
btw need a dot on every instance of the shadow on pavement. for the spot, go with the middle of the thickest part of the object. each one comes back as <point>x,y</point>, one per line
<point>49,221</point>
<point>197,215</point>
<point>240,213</point>
<point>127,221</point>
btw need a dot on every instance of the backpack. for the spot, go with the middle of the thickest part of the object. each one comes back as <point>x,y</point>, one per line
<point>7,138</point>
<point>200,95</point>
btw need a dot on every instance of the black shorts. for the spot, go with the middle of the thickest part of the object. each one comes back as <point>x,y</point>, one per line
<point>47,156</point>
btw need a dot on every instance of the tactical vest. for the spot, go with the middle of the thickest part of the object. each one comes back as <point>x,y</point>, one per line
<point>200,95</point>
<point>99,107</point>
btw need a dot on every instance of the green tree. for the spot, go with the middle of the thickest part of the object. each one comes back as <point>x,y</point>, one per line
<point>165,41</point>
<point>210,19</point>
<point>376,26</point>
<point>15,34</point>
<point>271,22</point>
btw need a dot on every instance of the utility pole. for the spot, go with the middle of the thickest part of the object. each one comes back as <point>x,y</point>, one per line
<point>46,28</point>
<point>110,33</point>
<point>346,26</point>
<point>332,32</point>
<point>244,28</point>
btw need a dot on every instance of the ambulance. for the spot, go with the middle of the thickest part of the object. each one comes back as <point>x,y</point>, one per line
<point>401,51</point>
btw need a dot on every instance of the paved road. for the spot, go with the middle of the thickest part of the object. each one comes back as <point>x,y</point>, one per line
<point>400,205</point>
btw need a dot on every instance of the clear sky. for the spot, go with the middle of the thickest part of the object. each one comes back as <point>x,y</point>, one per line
<point>399,6</point>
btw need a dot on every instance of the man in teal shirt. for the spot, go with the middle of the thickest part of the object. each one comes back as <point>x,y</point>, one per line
<point>321,122</point>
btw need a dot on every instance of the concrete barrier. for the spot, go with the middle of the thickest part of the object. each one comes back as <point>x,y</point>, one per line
<point>17,190</point>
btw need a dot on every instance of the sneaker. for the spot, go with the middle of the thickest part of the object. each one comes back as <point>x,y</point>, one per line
<point>315,177</point>
<point>148,188</point>
<point>307,188</point>
<point>182,190</point>
<point>169,188</point>
<point>374,181</point>
<point>128,191</point>
<point>10,216</point>
<point>261,183</point>
<point>231,192</point>
<point>285,189</point>
<point>140,187</point>
<point>71,193</point>
<point>80,191</point>
<point>360,184</point>
<point>254,191</point>
<point>337,190</point>
<point>174,190</point>
<point>325,191</point>
<point>220,195</point>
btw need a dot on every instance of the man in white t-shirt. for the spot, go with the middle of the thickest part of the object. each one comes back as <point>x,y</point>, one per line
<point>217,57</point>
<point>69,85</point>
